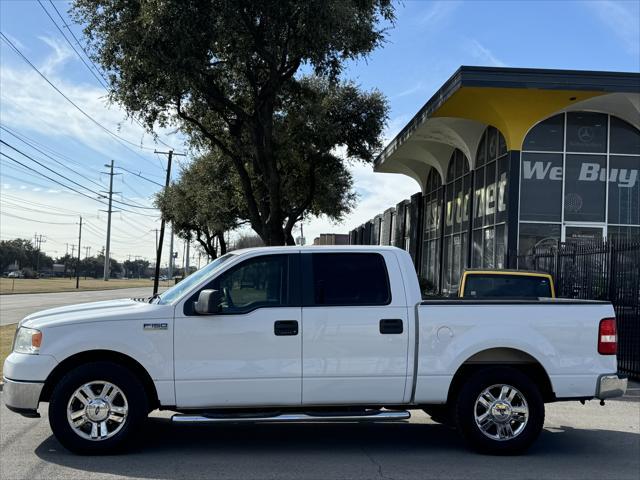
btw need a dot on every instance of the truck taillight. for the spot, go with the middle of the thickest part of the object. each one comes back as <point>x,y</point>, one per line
<point>607,337</point>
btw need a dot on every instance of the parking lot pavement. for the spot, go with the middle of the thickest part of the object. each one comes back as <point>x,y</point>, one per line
<point>14,308</point>
<point>581,442</point>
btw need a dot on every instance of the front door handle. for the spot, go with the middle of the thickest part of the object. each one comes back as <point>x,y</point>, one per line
<point>285,327</point>
<point>391,326</point>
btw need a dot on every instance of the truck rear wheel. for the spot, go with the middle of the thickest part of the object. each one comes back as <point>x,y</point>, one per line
<point>97,408</point>
<point>499,411</point>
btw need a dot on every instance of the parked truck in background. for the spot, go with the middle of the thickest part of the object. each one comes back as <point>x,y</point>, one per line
<point>477,283</point>
<point>289,334</point>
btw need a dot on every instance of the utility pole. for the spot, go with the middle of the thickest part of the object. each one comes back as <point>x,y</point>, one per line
<point>107,257</point>
<point>156,279</point>
<point>186,261</point>
<point>79,249</point>
<point>170,272</point>
<point>38,240</point>
<point>87,250</point>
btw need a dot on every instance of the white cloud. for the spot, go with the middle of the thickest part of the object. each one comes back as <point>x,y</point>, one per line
<point>484,55</point>
<point>622,19</point>
<point>437,12</point>
<point>29,103</point>
<point>61,55</point>
<point>419,86</point>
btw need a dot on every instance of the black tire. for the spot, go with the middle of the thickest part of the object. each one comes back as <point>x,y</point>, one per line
<point>440,414</point>
<point>465,411</point>
<point>117,375</point>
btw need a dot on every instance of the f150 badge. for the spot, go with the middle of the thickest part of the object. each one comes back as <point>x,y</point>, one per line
<point>156,326</point>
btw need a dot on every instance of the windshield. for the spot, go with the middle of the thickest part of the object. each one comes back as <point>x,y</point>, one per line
<point>188,283</point>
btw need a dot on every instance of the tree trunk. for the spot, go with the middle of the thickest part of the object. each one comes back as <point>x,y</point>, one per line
<point>222,242</point>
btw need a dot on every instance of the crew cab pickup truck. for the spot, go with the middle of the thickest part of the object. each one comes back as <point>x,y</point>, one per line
<point>288,334</point>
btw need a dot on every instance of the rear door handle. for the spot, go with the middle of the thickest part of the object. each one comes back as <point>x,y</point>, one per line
<point>391,326</point>
<point>285,327</point>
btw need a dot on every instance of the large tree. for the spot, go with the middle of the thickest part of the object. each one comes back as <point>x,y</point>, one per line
<point>230,70</point>
<point>204,203</point>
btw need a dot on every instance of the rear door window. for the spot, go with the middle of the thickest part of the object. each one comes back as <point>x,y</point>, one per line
<point>343,279</point>
<point>506,286</point>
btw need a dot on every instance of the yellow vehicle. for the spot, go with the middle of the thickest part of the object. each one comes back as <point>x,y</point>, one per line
<point>506,284</point>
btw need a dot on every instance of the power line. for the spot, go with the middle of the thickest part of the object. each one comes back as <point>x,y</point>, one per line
<point>30,141</point>
<point>106,82</point>
<point>21,207</point>
<point>50,157</point>
<point>64,23</point>
<point>114,135</point>
<point>67,186</point>
<point>100,81</point>
<point>33,219</point>
<point>69,179</point>
<point>140,176</point>
<point>36,204</point>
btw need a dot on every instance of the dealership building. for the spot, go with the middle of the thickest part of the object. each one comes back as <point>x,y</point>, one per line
<point>511,159</point>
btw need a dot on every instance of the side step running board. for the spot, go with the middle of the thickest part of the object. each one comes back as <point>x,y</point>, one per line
<point>373,416</point>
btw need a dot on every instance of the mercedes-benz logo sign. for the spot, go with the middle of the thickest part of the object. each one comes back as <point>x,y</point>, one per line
<point>585,134</point>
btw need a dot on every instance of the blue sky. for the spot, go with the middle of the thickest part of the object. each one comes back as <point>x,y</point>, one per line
<point>429,41</point>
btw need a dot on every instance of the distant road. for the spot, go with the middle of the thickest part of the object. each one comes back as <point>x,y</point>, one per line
<point>14,308</point>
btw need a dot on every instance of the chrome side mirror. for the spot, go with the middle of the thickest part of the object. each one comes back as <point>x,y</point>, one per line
<point>209,302</point>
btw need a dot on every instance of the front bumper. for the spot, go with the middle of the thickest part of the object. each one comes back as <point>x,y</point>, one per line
<point>611,386</point>
<point>22,397</point>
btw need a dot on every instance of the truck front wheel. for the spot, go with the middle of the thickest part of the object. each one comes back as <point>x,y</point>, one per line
<point>499,411</point>
<point>97,408</point>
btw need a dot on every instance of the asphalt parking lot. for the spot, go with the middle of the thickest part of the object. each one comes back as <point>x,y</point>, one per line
<point>578,442</point>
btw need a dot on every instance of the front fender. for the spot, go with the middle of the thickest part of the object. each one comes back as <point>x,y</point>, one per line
<point>151,348</point>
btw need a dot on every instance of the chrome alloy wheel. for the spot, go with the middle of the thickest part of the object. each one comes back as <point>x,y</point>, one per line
<point>97,410</point>
<point>501,412</point>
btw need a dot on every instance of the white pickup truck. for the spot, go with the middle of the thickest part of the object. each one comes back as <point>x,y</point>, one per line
<point>310,334</point>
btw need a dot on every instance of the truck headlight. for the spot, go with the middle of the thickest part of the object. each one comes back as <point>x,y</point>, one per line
<point>28,340</point>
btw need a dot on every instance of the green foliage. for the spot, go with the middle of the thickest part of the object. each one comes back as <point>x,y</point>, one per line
<point>228,73</point>
<point>22,252</point>
<point>204,203</point>
<point>135,268</point>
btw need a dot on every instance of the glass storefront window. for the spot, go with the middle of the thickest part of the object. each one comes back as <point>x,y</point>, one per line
<point>492,144</point>
<point>585,188</point>
<point>586,132</point>
<point>624,190</point>
<point>625,138</point>
<point>533,235</point>
<point>478,200</point>
<point>481,155</point>
<point>597,168</point>
<point>541,187</point>
<point>488,248</point>
<point>430,268</point>
<point>501,252</point>
<point>623,233</point>
<point>546,136</point>
<point>490,194</point>
<point>457,200</point>
<point>476,249</point>
<point>501,191</point>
